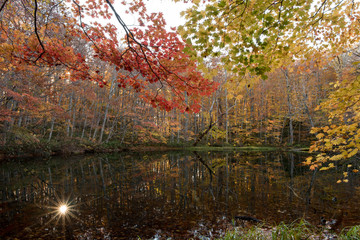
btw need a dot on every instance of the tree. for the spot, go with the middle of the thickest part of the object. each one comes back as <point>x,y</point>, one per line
<point>339,139</point>
<point>253,37</point>
<point>256,35</point>
<point>147,56</point>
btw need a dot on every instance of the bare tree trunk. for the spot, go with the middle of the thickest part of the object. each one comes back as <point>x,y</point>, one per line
<point>226,118</point>
<point>73,118</point>
<point>53,120</point>
<point>211,125</point>
<point>172,118</point>
<point>186,120</point>
<point>178,131</point>
<point>107,108</point>
<point>290,114</point>
<point>84,127</point>
<point>96,128</point>
<point>115,121</point>
<point>304,100</point>
<point>69,111</point>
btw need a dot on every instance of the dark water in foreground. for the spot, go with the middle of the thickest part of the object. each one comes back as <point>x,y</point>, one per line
<point>176,194</point>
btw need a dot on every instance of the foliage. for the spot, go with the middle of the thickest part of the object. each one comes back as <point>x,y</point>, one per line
<point>339,139</point>
<point>352,233</point>
<point>65,80</point>
<point>295,230</point>
<point>149,59</point>
<point>255,233</point>
<point>252,36</point>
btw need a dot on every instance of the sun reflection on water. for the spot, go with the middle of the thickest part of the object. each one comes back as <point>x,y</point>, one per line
<point>63,209</point>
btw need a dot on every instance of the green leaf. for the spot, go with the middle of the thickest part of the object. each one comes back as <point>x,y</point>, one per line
<point>222,4</point>
<point>227,39</point>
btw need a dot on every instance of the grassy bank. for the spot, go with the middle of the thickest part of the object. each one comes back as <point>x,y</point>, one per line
<point>297,230</point>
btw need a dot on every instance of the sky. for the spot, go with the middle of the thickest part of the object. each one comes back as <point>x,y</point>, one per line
<point>170,10</point>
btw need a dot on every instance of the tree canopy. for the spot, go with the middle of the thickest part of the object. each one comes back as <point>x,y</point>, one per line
<point>203,82</point>
<point>148,58</point>
<point>252,36</point>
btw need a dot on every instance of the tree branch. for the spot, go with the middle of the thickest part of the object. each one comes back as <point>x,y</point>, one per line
<point>3,5</point>
<point>36,31</point>
<point>81,25</point>
<point>130,37</point>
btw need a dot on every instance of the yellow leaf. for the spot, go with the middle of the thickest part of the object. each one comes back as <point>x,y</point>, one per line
<point>320,158</point>
<point>320,135</point>
<point>328,145</point>
<point>353,152</point>
<point>349,165</point>
<point>345,180</point>
<point>338,181</point>
<point>308,160</point>
<point>314,130</point>
<point>337,157</point>
<point>355,170</point>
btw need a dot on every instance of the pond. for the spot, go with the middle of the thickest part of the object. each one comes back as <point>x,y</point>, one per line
<point>177,195</point>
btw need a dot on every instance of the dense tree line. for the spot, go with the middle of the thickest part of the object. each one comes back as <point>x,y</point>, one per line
<point>65,81</point>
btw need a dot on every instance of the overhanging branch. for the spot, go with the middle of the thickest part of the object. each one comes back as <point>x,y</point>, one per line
<point>3,5</point>
<point>36,32</point>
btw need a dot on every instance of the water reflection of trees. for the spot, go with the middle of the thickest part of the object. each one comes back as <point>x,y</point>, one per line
<point>136,194</point>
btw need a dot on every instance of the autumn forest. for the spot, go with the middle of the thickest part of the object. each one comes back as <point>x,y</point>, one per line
<point>244,118</point>
<point>238,73</point>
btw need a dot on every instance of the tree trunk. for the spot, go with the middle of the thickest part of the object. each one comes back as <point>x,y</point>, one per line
<point>53,120</point>
<point>107,108</point>
<point>291,128</point>
<point>211,125</point>
<point>73,118</point>
<point>226,118</point>
<point>69,111</point>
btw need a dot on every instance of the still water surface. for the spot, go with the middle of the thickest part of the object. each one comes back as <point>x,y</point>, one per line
<point>170,194</point>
